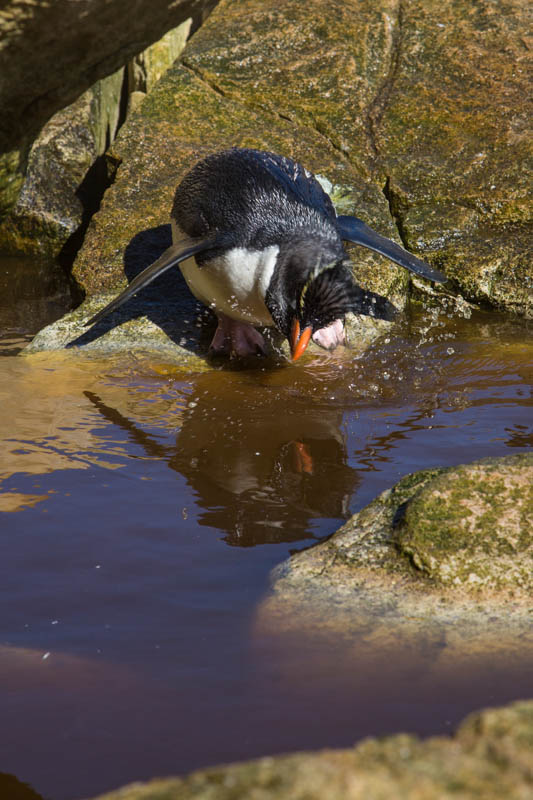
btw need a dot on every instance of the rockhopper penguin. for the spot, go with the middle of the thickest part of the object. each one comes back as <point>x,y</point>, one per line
<point>259,242</point>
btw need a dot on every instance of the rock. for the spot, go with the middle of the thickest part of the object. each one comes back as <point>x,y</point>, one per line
<point>10,786</point>
<point>445,555</point>
<point>490,756</point>
<point>414,156</point>
<point>12,167</point>
<point>50,206</point>
<point>179,329</point>
<point>467,528</point>
<point>173,332</point>
<point>457,145</point>
<point>33,291</point>
<point>65,176</point>
<point>426,101</point>
<point>472,526</point>
<point>146,68</point>
<point>53,52</point>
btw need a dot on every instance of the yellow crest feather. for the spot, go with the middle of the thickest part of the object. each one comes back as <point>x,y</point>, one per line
<point>315,272</point>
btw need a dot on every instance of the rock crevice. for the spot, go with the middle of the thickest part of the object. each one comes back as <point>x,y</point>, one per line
<point>377,107</point>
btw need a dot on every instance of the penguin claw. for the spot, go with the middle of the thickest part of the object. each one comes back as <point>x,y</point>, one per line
<point>235,338</point>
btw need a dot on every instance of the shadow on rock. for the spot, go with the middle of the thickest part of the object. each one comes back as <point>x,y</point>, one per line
<point>166,303</point>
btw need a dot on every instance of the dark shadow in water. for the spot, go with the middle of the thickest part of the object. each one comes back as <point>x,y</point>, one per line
<point>13,789</point>
<point>167,302</point>
<point>260,477</point>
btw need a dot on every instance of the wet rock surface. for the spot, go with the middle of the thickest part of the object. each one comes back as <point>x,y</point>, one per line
<point>490,756</point>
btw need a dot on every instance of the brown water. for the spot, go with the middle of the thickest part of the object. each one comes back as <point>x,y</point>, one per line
<point>143,508</point>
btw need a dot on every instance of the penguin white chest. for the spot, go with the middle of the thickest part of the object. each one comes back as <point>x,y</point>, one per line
<point>235,283</point>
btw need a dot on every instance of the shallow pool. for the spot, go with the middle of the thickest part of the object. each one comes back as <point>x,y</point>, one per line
<point>142,508</point>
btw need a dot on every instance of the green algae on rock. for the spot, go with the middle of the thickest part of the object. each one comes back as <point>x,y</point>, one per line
<point>489,756</point>
<point>473,525</point>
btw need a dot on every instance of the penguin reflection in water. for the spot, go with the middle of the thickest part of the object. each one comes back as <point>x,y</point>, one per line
<point>258,241</point>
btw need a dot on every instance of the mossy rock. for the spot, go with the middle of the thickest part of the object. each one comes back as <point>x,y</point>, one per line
<point>473,525</point>
<point>478,517</point>
<point>444,556</point>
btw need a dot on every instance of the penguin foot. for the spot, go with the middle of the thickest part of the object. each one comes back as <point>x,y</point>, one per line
<point>330,336</point>
<point>235,338</point>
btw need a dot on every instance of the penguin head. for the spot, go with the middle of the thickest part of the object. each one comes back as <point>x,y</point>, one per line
<point>312,287</point>
<point>325,296</point>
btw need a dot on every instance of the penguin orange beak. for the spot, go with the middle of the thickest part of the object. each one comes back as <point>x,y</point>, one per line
<point>299,341</point>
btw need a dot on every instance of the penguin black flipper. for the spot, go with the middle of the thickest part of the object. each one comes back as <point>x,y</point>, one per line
<point>354,230</point>
<point>172,256</point>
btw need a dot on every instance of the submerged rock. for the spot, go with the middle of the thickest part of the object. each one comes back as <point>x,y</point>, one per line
<point>490,756</point>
